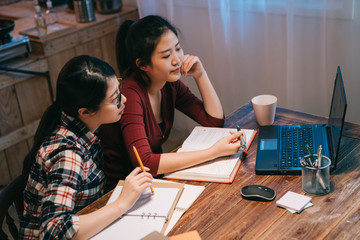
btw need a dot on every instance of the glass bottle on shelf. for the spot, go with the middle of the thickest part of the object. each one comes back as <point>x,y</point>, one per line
<point>40,21</point>
<point>50,14</point>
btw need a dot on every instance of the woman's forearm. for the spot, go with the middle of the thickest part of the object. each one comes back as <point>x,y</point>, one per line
<point>211,101</point>
<point>93,223</point>
<point>170,162</point>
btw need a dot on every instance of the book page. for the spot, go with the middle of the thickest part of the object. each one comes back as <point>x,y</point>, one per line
<point>222,166</point>
<point>204,137</point>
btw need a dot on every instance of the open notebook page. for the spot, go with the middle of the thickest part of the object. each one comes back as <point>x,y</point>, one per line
<point>159,203</point>
<point>130,228</point>
<point>148,214</point>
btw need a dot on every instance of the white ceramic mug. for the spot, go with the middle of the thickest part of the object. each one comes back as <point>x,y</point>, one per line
<point>264,108</point>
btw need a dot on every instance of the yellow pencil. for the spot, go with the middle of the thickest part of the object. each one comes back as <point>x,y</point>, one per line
<point>141,165</point>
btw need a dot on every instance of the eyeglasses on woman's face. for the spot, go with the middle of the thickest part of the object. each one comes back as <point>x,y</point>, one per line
<point>117,100</point>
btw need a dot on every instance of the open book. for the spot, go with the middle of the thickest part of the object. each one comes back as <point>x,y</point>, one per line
<point>222,169</point>
<point>150,213</point>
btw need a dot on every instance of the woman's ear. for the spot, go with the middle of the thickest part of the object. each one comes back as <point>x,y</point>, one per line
<point>141,66</point>
<point>84,113</point>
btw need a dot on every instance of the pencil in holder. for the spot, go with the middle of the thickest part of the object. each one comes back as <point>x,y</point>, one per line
<point>316,175</point>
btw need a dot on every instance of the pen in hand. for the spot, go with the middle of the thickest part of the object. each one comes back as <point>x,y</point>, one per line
<point>243,143</point>
<point>141,165</point>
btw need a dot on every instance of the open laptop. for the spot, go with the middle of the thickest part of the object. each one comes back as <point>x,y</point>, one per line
<point>280,146</point>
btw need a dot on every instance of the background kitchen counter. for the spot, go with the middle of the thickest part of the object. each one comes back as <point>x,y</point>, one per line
<point>24,97</point>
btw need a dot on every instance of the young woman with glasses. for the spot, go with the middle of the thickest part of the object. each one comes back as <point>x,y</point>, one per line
<point>151,61</point>
<point>64,169</point>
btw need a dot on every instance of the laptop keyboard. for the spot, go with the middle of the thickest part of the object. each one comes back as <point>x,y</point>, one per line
<point>294,140</point>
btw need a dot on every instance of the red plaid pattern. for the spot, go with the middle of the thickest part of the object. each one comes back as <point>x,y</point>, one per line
<point>66,177</point>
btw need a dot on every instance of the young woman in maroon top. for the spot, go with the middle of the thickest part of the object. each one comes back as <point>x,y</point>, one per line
<point>151,61</point>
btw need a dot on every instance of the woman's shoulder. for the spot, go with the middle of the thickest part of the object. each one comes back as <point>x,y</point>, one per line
<point>133,89</point>
<point>62,144</point>
<point>62,139</point>
<point>131,83</point>
<point>65,138</point>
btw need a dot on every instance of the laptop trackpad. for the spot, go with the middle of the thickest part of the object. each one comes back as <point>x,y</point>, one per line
<point>269,144</point>
<point>268,156</point>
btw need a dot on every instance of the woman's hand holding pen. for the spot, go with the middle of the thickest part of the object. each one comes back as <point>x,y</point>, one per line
<point>135,183</point>
<point>228,145</point>
<point>192,66</point>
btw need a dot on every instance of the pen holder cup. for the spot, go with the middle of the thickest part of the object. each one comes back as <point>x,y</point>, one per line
<point>316,180</point>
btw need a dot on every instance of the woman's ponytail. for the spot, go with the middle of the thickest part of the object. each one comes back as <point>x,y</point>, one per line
<point>122,50</point>
<point>48,122</point>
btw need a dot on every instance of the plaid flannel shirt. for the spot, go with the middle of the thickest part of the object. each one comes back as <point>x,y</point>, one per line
<point>66,177</point>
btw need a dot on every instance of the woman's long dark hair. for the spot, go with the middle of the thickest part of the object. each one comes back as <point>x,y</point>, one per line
<point>138,40</point>
<point>82,83</point>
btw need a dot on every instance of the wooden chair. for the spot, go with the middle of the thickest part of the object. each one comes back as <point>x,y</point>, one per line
<point>11,195</point>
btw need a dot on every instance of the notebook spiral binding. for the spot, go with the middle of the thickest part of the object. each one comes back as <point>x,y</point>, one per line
<point>148,215</point>
<point>180,209</point>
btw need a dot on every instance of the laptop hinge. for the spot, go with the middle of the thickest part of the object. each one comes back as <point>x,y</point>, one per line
<point>329,140</point>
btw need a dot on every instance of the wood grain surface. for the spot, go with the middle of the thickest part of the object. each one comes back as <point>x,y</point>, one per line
<point>221,213</point>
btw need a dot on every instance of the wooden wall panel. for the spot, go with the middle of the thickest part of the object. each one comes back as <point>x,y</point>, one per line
<point>4,170</point>
<point>109,50</point>
<point>30,142</point>
<point>56,62</point>
<point>34,98</point>
<point>91,48</point>
<point>97,31</point>
<point>15,156</point>
<point>10,118</point>
<point>19,135</point>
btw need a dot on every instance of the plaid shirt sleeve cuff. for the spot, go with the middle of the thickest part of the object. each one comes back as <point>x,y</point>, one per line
<point>76,223</point>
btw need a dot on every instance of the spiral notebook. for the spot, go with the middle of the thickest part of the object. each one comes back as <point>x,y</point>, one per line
<point>150,213</point>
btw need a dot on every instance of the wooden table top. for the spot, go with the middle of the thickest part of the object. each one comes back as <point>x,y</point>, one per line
<point>221,213</point>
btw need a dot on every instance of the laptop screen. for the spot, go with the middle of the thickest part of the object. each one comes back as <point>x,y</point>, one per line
<point>337,114</point>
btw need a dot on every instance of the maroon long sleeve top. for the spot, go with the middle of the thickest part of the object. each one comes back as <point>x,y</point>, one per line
<point>138,127</point>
